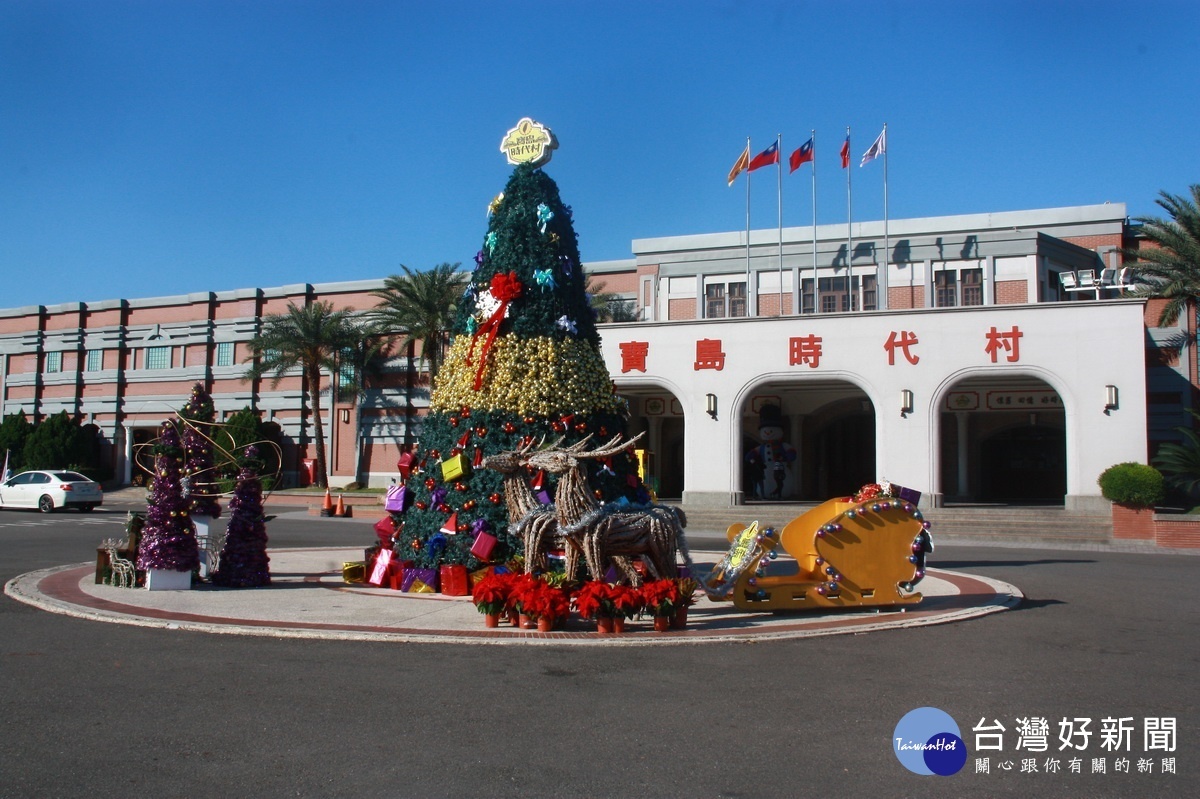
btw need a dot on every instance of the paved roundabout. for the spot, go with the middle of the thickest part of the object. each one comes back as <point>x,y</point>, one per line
<point>308,599</point>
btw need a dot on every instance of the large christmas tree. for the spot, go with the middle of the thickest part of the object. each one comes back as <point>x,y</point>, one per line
<point>524,365</point>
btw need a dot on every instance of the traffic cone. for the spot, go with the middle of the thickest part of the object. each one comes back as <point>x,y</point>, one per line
<point>327,505</point>
<point>340,510</point>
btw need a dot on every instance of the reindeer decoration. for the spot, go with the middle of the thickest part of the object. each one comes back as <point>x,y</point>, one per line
<point>527,517</point>
<point>610,532</point>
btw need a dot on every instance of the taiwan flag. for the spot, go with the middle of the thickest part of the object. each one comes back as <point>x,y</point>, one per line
<point>846,153</point>
<point>801,156</point>
<point>765,158</point>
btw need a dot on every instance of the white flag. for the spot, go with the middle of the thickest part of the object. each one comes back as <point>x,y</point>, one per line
<point>877,149</point>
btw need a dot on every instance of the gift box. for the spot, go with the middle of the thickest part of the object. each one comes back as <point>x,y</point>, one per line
<point>396,573</point>
<point>483,546</point>
<point>907,494</point>
<point>453,580</point>
<point>398,499</point>
<point>456,467</point>
<point>385,530</point>
<point>379,572</point>
<point>420,581</point>
<point>479,574</point>
<point>354,571</point>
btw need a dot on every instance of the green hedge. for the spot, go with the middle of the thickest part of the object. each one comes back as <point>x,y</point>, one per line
<point>1132,484</point>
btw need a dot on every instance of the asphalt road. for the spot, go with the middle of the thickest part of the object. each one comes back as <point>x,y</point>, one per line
<point>106,710</point>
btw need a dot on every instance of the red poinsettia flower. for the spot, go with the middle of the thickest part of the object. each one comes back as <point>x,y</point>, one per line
<point>626,600</point>
<point>491,593</point>
<point>592,600</point>
<point>661,596</point>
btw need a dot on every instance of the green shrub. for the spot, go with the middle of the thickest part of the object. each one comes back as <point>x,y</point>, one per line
<point>1132,484</point>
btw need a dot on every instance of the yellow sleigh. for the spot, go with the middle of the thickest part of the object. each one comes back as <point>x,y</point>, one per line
<point>848,554</point>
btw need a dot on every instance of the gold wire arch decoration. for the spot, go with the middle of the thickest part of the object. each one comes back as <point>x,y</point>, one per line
<point>143,459</point>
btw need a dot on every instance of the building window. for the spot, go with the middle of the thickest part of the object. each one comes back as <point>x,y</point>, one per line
<point>95,360</point>
<point>945,289</point>
<point>158,358</point>
<point>870,292</point>
<point>225,353</point>
<point>53,362</point>
<point>972,286</point>
<point>841,293</point>
<point>724,300</point>
<point>806,295</point>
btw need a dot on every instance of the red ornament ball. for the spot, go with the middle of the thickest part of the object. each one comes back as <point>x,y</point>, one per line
<point>494,499</point>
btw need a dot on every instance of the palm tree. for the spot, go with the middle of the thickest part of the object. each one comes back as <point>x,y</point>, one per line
<point>609,305</point>
<point>310,338</point>
<point>421,306</point>
<point>1171,266</point>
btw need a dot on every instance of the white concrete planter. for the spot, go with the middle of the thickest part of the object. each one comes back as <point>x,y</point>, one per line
<point>168,580</point>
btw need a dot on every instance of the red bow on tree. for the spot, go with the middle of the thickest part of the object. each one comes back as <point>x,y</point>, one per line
<point>505,288</point>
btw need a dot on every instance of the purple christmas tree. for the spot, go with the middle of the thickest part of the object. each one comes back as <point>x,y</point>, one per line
<point>168,537</point>
<point>244,561</point>
<point>199,488</point>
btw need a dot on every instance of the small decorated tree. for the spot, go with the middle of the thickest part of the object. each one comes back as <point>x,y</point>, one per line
<point>199,474</point>
<point>244,561</point>
<point>168,538</point>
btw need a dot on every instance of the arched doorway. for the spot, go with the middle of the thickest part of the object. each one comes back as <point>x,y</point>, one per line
<point>1003,441</point>
<point>829,424</point>
<point>656,412</point>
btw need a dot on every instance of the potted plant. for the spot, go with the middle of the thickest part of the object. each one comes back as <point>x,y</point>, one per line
<point>1134,489</point>
<point>627,602</point>
<point>594,600</point>
<point>490,596</point>
<point>687,597</point>
<point>521,597</point>
<point>544,604</point>
<point>661,598</point>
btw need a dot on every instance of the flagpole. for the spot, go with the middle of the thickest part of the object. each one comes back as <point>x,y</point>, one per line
<point>816,279</point>
<point>881,302</point>
<point>779,173</point>
<point>849,230</point>
<point>748,232</point>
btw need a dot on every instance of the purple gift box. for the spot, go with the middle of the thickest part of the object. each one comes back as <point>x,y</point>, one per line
<point>907,494</point>
<point>428,576</point>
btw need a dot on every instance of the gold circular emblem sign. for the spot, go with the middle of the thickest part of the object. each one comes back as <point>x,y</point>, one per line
<point>528,143</point>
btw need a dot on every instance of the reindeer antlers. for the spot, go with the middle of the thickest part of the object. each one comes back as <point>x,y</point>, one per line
<point>613,446</point>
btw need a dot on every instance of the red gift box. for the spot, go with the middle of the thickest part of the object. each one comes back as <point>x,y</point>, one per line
<point>454,580</point>
<point>385,529</point>
<point>483,546</point>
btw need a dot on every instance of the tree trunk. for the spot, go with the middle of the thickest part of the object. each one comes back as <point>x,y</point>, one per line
<point>314,390</point>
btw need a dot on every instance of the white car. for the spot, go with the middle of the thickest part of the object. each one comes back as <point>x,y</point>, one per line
<point>50,489</point>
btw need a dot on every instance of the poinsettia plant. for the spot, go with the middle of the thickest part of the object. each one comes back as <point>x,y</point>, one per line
<point>661,597</point>
<point>490,594</point>
<point>521,592</point>
<point>548,602</point>
<point>627,600</point>
<point>594,600</point>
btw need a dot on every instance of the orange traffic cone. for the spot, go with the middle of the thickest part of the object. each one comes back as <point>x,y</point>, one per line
<point>340,510</point>
<point>327,505</point>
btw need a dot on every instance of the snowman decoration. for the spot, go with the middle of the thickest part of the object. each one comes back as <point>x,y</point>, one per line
<point>773,458</point>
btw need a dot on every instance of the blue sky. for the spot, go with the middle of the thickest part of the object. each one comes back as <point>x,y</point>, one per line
<point>164,147</point>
